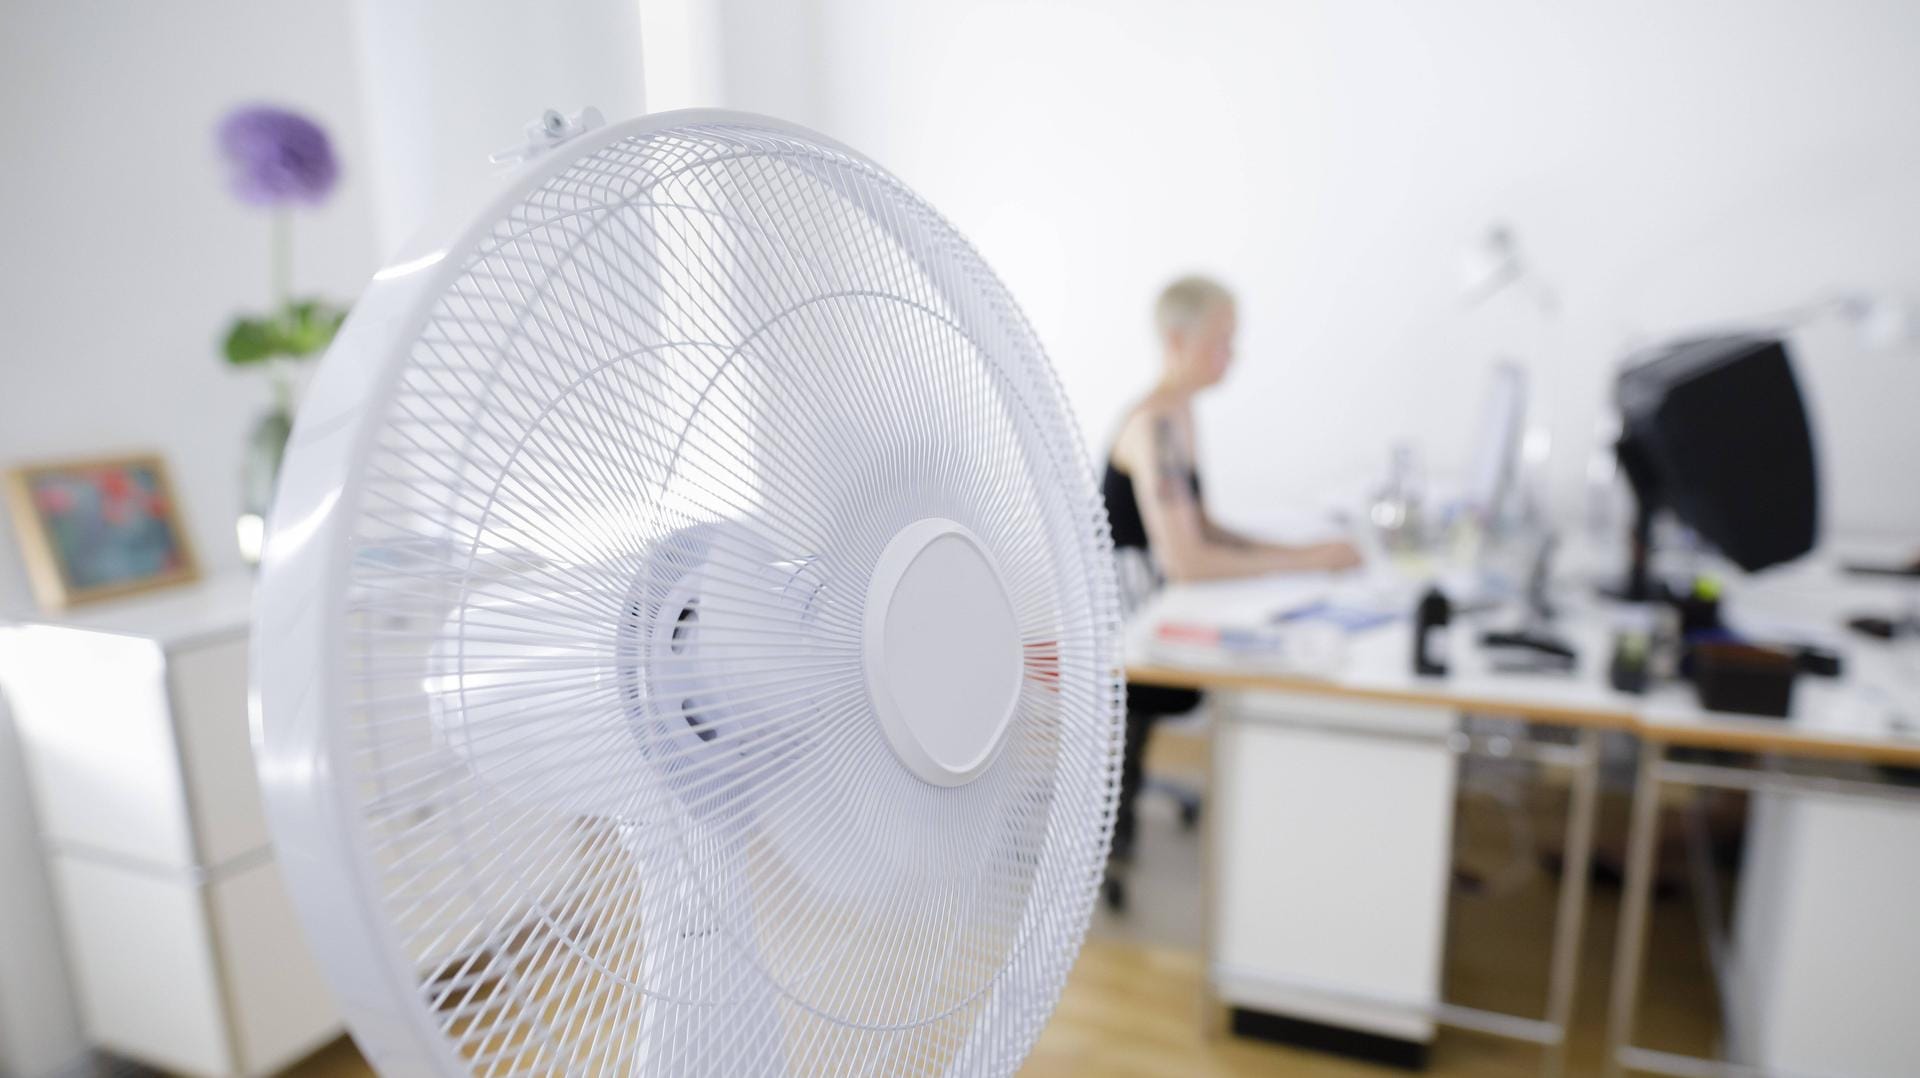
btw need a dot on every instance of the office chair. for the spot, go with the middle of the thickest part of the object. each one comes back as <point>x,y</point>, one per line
<point>1147,705</point>
<point>1184,795</point>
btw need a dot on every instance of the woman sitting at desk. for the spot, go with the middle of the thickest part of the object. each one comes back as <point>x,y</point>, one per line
<point>1161,528</point>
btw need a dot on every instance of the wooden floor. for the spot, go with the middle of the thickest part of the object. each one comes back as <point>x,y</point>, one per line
<point>1132,1007</point>
<point>1133,1010</point>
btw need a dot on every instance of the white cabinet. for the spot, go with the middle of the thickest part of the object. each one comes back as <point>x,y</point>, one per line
<point>1826,972</point>
<point>182,942</point>
<point>1337,925</point>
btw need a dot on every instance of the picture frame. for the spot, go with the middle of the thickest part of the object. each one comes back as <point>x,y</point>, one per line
<point>99,528</point>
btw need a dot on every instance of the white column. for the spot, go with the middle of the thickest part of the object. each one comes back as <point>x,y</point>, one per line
<point>447,82</point>
<point>682,53</point>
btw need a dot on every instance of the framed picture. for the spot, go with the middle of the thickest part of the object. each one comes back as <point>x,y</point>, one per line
<point>98,529</point>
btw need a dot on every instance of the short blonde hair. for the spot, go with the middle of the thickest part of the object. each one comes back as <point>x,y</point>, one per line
<point>1185,301</point>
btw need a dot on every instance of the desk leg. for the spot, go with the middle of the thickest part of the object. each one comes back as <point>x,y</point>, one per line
<point>1630,948</point>
<point>1212,1011</point>
<point>1569,920</point>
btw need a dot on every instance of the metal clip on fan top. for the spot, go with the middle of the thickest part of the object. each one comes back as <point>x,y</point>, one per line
<point>550,130</point>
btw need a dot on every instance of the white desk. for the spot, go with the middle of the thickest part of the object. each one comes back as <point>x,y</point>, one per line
<point>1831,720</point>
<point>1375,664</point>
<point>1364,691</point>
<point>1822,968</point>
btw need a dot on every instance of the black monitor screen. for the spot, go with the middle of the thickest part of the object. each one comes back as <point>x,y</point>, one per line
<point>1715,431</point>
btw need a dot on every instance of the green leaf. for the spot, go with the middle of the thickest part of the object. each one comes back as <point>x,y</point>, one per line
<point>297,330</point>
<point>251,340</point>
<point>310,326</point>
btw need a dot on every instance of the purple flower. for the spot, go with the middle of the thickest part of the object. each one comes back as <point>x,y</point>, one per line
<point>278,156</point>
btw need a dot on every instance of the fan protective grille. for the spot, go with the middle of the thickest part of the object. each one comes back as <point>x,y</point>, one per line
<point>624,802</point>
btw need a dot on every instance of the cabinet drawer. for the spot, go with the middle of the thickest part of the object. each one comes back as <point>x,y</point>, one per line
<point>138,945</point>
<point>280,1008</point>
<point>208,685</point>
<point>98,741</point>
<point>201,978</point>
<point>1309,919</point>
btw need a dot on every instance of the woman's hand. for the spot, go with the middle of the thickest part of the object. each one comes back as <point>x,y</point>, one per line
<point>1335,556</point>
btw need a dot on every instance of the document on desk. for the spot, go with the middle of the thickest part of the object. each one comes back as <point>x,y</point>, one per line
<point>1347,616</point>
<point>1299,623</point>
<point>1306,647</point>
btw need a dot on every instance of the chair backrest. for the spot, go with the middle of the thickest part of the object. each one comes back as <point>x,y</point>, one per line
<point>1137,576</point>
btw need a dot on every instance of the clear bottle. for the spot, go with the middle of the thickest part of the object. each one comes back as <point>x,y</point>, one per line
<point>1397,512</point>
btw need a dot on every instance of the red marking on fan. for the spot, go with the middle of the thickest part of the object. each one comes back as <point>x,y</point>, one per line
<point>1043,662</point>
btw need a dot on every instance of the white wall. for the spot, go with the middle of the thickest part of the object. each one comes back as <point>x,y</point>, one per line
<point>1664,163</point>
<point>123,259</point>
<point>450,82</point>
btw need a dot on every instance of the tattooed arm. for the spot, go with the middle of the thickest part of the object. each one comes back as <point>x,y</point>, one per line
<point>1156,451</point>
<point>1224,536</point>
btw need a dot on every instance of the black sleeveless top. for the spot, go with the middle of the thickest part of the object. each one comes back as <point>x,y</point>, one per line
<point>1123,507</point>
<point>1144,702</point>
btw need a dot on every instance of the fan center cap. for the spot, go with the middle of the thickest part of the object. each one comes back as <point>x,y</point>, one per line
<point>942,651</point>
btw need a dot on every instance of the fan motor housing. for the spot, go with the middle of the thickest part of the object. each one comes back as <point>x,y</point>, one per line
<point>942,651</point>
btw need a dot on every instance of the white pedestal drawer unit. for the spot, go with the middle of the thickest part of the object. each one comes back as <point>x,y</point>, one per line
<point>133,723</point>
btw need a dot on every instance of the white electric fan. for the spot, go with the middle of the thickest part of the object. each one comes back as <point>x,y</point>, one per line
<point>687,641</point>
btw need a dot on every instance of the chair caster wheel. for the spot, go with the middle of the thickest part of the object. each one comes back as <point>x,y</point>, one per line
<point>1114,894</point>
<point>1189,816</point>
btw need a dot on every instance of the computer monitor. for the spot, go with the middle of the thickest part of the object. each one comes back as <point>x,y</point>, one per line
<point>1493,471</point>
<point>1714,430</point>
